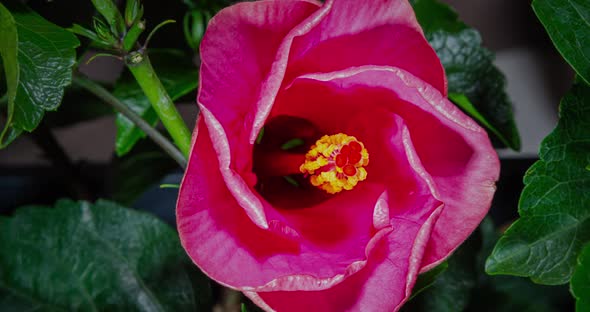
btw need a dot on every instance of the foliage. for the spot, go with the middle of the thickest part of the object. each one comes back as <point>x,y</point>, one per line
<point>554,207</point>
<point>546,242</point>
<point>82,256</point>
<point>470,69</point>
<point>38,57</point>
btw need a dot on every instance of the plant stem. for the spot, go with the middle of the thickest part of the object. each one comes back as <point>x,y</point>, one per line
<point>141,68</point>
<point>110,99</point>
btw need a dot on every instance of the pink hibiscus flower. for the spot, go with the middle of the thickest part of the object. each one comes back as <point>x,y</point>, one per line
<point>384,177</point>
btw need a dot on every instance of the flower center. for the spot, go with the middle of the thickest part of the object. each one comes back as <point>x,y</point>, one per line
<point>336,162</point>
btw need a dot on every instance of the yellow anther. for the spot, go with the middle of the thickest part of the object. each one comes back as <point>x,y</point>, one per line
<point>336,162</point>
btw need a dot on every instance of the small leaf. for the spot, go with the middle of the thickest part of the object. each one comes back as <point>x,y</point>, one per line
<point>580,283</point>
<point>104,33</point>
<point>178,75</point>
<point>46,53</point>
<point>554,206</point>
<point>469,67</point>
<point>568,24</point>
<point>109,10</point>
<point>91,257</point>
<point>133,12</point>
<point>84,32</point>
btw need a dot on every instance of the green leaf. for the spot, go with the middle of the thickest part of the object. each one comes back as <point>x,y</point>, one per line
<point>131,178</point>
<point>580,283</point>
<point>84,32</point>
<point>426,279</point>
<point>178,75</point>
<point>104,33</point>
<point>554,206</point>
<point>568,24</point>
<point>452,288</point>
<point>510,293</point>
<point>43,65</point>
<point>110,12</point>
<point>463,102</point>
<point>133,12</point>
<point>91,257</point>
<point>469,67</point>
<point>9,53</point>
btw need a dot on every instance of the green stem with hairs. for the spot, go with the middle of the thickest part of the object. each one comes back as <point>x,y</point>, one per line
<point>141,68</point>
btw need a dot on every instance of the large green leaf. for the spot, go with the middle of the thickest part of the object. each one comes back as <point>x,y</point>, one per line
<point>510,293</point>
<point>91,257</point>
<point>43,64</point>
<point>469,68</point>
<point>179,77</point>
<point>554,206</point>
<point>580,283</point>
<point>568,24</point>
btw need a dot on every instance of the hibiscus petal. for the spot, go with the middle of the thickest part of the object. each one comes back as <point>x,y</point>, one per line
<point>336,236</point>
<point>451,147</point>
<point>327,35</point>
<point>237,52</point>
<point>356,33</point>
<point>384,284</point>
<point>222,240</point>
<point>367,115</point>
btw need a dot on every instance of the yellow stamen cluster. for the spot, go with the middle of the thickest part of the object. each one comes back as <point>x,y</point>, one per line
<point>336,162</point>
